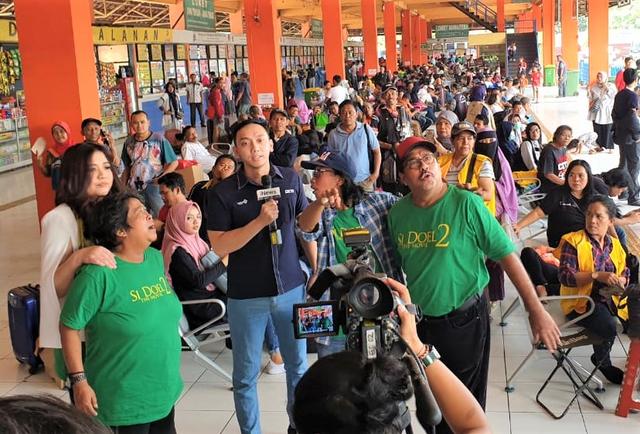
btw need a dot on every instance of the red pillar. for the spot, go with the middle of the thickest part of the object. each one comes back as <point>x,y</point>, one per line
<point>263,46</point>
<point>429,30</point>
<point>570,34</point>
<point>537,16</point>
<point>389,14</point>
<point>423,39</point>
<point>406,37</point>
<point>370,36</point>
<point>500,15</point>
<point>68,45</point>
<point>598,37</point>
<point>548,34</point>
<point>416,39</point>
<point>332,35</point>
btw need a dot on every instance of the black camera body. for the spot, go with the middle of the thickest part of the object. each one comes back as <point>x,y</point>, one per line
<point>362,304</point>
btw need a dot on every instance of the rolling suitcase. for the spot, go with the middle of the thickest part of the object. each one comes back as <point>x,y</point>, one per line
<point>24,320</point>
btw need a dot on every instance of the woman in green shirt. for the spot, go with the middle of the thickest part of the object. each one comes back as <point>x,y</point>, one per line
<point>130,378</point>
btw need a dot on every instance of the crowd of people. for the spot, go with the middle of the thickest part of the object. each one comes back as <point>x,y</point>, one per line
<point>423,157</point>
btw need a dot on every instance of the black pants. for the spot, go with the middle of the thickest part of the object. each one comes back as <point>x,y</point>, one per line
<point>166,425</point>
<point>604,139</point>
<point>196,106</point>
<point>539,271</point>
<point>463,341</point>
<point>603,324</point>
<point>632,158</point>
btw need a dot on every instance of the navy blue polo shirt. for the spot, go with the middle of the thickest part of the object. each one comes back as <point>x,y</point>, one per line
<point>259,269</point>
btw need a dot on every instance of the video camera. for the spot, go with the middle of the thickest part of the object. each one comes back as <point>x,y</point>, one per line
<point>366,309</point>
<point>361,303</point>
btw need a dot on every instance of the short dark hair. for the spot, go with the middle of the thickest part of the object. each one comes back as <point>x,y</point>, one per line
<point>108,216</point>
<point>588,189</point>
<point>345,393</point>
<point>337,78</point>
<point>482,118</point>
<point>527,129</point>
<point>139,112</point>
<point>173,180</point>
<point>607,202</point>
<point>75,177</point>
<point>345,103</point>
<point>629,75</point>
<point>27,414</point>
<point>240,125</point>
<point>352,194</point>
<point>616,178</point>
<point>226,157</point>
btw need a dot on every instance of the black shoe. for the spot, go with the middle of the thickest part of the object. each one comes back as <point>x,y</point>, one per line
<point>611,373</point>
<point>291,430</point>
<point>202,125</point>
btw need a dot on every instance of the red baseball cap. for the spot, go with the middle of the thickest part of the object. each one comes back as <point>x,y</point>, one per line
<point>408,144</point>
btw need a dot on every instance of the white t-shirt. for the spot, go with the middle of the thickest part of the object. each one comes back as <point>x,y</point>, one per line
<point>338,94</point>
<point>195,151</point>
<point>59,238</point>
<point>424,95</point>
<point>486,171</point>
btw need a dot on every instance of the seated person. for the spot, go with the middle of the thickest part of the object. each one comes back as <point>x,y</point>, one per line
<point>590,259</point>
<point>554,159</point>
<point>345,393</point>
<point>566,207</point>
<point>225,167</point>
<point>172,191</point>
<point>192,149</point>
<point>529,155</point>
<point>183,251</point>
<point>613,184</point>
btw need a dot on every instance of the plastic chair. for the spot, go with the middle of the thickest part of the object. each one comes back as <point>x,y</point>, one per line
<point>205,334</point>
<point>572,336</point>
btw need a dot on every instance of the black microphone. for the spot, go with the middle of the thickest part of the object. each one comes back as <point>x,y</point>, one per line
<point>267,193</point>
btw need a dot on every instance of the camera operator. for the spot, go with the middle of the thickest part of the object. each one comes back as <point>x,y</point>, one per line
<point>443,235</point>
<point>341,204</point>
<point>344,393</point>
<point>264,275</point>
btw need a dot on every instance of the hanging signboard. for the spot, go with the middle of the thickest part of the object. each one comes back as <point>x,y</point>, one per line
<point>316,28</point>
<point>452,31</point>
<point>130,35</point>
<point>199,15</point>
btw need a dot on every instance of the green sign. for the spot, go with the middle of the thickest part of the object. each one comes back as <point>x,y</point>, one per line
<point>199,15</point>
<point>316,29</point>
<point>452,31</point>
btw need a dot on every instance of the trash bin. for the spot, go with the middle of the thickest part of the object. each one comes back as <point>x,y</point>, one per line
<point>572,82</point>
<point>549,75</point>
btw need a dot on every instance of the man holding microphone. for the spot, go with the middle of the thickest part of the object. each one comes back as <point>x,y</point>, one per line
<point>251,217</point>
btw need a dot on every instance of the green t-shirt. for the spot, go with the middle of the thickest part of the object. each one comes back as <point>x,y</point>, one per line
<point>345,220</point>
<point>130,316</point>
<point>443,248</point>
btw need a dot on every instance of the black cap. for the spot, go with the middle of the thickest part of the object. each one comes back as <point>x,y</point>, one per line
<point>278,112</point>
<point>88,121</point>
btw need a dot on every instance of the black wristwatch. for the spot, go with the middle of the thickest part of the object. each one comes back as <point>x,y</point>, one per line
<point>77,377</point>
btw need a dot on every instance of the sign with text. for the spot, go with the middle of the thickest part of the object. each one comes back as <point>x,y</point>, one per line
<point>452,31</point>
<point>8,31</point>
<point>199,15</point>
<point>103,35</point>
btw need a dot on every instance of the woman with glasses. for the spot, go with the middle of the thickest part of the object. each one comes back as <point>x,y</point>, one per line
<point>340,204</point>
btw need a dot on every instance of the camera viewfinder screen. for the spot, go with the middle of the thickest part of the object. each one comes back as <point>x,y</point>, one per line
<point>314,319</point>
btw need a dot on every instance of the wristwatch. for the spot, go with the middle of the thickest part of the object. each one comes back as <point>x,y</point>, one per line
<point>76,378</point>
<point>594,275</point>
<point>431,356</point>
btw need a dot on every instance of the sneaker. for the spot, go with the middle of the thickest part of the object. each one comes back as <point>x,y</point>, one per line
<point>275,368</point>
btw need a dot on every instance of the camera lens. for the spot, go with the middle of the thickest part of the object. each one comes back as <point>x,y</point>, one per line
<point>368,295</point>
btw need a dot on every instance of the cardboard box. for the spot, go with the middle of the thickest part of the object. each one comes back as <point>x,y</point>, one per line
<point>192,175</point>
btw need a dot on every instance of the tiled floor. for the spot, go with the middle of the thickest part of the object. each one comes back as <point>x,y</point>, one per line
<point>206,406</point>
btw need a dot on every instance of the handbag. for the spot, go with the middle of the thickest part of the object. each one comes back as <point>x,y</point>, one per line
<point>389,168</point>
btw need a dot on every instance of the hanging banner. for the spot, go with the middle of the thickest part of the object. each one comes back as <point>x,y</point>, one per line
<point>452,31</point>
<point>103,35</point>
<point>199,15</point>
<point>316,28</point>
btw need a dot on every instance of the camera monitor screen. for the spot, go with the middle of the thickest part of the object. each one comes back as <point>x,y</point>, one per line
<point>314,319</point>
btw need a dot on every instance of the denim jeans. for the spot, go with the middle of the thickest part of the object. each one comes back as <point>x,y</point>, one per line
<point>248,321</point>
<point>152,198</point>
<point>271,338</point>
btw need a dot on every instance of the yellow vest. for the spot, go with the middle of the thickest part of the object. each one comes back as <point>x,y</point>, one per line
<point>582,243</point>
<point>445,162</point>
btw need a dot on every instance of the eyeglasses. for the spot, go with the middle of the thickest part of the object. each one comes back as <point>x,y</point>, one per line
<point>317,173</point>
<point>416,163</point>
